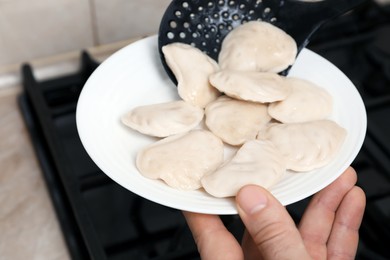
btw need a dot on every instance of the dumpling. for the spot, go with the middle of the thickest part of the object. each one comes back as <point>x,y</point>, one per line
<point>182,160</point>
<point>256,162</point>
<point>191,68</point>
<point>164,119</point>
<point>257,46</point>
<point>306,102</point>
<point>252,86</point>
<point>306,146</point>
<point>236,121</point>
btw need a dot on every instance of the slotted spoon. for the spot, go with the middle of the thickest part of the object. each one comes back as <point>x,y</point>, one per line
<point>205,23</point>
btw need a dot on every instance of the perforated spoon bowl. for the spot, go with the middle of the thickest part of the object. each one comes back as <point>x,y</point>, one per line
<point>205,23</point>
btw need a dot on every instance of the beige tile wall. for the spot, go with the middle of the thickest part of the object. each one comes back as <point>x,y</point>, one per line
<point>121,19</point>
<point>38,28</point>
<point>31,29</point>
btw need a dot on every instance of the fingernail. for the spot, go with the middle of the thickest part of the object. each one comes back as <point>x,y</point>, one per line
<point>251,199</point>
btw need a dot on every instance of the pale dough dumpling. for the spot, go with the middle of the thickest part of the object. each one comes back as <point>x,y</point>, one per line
<point>306,146</point>
<point>164,119</point>
<point>306,102</point>
<point>191,68</point>
<point>256,162</point>
<point>182,160</point>
<point>257,46</point>
<point>236,121</point>
<point>261,87</point>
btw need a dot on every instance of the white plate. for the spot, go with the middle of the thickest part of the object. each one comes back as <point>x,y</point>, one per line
<point>133,76</point>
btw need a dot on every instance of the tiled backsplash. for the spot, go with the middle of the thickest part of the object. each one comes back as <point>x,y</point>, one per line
<point>121,19</point>
<point>31,29</point>
<point>34,29</point>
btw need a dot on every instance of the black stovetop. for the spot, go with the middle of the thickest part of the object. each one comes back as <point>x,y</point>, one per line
<point>102,220</point>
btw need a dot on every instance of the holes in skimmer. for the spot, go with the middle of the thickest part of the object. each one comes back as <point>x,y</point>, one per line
<point>208,23</point>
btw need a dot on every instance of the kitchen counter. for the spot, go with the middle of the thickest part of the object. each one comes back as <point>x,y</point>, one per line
<point>28,225</point>
<point>29,228</point>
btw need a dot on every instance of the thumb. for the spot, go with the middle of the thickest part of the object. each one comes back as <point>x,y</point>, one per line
<point>272,229</point>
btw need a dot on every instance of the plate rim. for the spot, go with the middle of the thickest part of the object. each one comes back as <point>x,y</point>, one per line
<point>227,211</point>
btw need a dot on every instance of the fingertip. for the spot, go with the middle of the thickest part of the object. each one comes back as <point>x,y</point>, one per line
<point>351,169</point>
<point>346,181</point>
<point>359,196</point>
<point>351,210</point>
<point>251,199</point>
<point>351,173</point>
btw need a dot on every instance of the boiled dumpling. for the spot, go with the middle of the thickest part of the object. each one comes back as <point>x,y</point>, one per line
<point>182,160</point>
<point>164,119</point>
<point>306,102</point>
<point>236,121</point>
<point>191,68</point>
<point>306,146</point>
<point>256,162</point>
<point>252,86</point>
<point>257,46</point>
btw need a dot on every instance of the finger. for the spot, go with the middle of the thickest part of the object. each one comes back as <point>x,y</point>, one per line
<point>214,241</point>
<point>249,248</point>
<point>316,223</point>
<point>271,227</point>
<point>344,237</point>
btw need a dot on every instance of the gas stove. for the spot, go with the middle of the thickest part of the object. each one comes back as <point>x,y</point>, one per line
<point>102,220</point>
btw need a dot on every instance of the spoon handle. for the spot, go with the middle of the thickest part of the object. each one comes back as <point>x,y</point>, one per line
<point>301,19</point>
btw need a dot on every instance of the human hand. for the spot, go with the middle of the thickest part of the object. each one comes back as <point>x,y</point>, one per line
<point>328,228</point>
